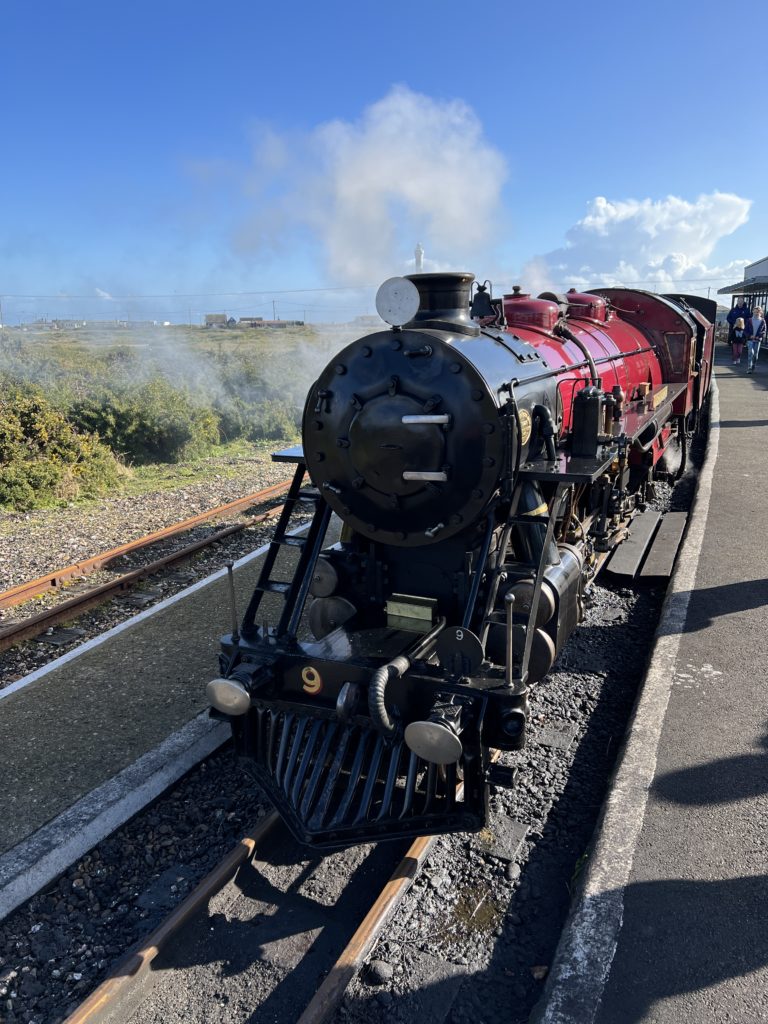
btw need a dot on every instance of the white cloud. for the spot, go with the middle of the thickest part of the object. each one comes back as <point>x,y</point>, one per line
<point>655,244</point>
<point>410,168</point>
<point>102,294</point>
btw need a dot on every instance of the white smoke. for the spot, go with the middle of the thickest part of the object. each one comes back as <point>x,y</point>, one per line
<point>410,167</point>
<point>655,244</point>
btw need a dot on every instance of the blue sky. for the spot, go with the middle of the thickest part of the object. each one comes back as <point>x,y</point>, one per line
<point>296,152</point>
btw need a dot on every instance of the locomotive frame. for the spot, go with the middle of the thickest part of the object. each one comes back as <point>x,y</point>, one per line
<point>483,460</point>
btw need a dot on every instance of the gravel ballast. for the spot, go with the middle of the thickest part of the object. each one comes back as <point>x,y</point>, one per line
<point>35,543</point>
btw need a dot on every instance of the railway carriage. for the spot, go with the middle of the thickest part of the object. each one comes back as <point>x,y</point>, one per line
<point>466,472</point>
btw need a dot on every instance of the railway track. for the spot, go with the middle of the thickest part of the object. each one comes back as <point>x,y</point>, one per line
<point>33,626</point>
<point>121,992</point>
<point>117,998</point>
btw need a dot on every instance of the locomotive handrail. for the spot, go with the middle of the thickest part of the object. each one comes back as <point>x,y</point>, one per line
<point>565,332</point>
<point>557,371</point>
<point>477,576</point>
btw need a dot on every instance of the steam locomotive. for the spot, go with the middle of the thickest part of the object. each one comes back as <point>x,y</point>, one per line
<point>466,471</point>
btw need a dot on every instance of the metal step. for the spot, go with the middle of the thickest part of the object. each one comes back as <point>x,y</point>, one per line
<point>628,556</point>
<point>275,586</point>
<point>292,542</point>
<point>660,559</point>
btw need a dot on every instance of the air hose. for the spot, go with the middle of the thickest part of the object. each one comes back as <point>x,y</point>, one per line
<point>377,687</point>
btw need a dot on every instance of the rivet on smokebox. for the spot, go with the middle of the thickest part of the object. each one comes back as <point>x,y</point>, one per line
<point>396,344</point>
<point>455,367</point>
<point>366,351</point>
<point>488,428</point>
<point>340,369</point>
<point>477,394</point>
<point>488,461</point>
<point>455,519</point>
<point>477,493</point>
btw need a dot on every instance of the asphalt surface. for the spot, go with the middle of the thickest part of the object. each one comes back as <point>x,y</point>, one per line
<point>672,925</point>
<point>109,703</point>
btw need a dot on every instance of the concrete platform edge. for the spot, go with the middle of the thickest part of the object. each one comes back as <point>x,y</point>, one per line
<point>135,620</point>
<point>588,941</point>
<point>34,863</point>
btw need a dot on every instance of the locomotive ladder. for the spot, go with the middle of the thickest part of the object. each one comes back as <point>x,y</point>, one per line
<point>294,591</point>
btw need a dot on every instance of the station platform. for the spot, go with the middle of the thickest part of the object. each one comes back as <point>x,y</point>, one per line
<point>671,924</point>
<point>91,738</point>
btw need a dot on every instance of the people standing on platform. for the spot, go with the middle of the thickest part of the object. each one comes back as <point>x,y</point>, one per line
<point>738,339</point>
<point>755,337</point>
<point>742,311</point>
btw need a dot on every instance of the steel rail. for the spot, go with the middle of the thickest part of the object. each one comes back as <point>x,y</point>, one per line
<point>330,993</point>
<point>34,588</point>
<point>133,968</point>
<point>35,624</point>
<point>342,974</point>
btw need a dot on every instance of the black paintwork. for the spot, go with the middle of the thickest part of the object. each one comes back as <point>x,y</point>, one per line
<point>334,767</point>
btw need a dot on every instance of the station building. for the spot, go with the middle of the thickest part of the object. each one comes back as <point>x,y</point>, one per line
<point>754,287</point>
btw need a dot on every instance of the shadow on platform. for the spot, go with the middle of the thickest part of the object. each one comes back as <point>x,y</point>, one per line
<point>717,782</point>
<point>709,603</point>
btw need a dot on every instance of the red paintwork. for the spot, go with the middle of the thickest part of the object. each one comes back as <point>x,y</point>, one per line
<point>639,322</point>
<point>586,306</point>
<point>614,338</point>
<point>521,310</point>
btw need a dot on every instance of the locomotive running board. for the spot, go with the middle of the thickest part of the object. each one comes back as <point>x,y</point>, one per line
<point>628,556</point>
<point>660,560</point>
<point>650,550</point>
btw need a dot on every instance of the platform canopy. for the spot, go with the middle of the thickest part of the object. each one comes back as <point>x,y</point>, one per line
<point>754,287</point>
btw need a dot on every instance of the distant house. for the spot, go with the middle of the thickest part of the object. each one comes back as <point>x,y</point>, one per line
<point>215,319</point>
<point>257,321</point>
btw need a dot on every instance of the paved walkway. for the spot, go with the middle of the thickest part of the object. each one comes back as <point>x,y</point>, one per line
<point>673,922</point>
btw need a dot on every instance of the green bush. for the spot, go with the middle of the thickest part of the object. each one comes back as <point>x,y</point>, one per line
<point>273,419</point>
<point>43,458</point>
<point>154,422</point>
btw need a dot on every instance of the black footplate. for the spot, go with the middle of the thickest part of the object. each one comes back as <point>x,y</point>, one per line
<point>339,783</point>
